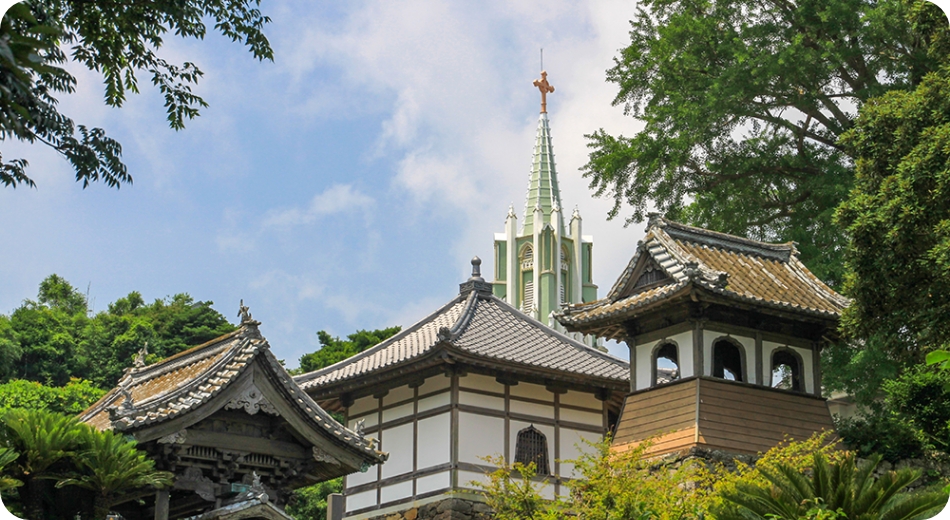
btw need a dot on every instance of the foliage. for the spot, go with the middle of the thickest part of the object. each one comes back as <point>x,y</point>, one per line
<point>513,492</point>
<point>333,349</point>
<point>109,465</point>
<point>879,431</point>
<point>796,454</point>
<point>629,485</point>
<point>71,399</point>
<point>311,502</point>
<point>830,490</point>
<point>54,453</point>
<point>55,339</point>
<point>118,40</point>
<point>742,104</point>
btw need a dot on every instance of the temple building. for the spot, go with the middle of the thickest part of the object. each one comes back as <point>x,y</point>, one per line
<point>724,336</point>
<point>233,427</point>
<point>543,264</point>
<point>476,378</point>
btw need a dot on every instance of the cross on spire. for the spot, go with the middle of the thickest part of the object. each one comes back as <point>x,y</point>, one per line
<point>545,89</point>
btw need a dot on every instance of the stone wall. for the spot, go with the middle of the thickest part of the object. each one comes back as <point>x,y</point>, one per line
<point>448,509</point>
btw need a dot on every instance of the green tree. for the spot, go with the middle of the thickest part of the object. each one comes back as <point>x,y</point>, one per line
<point>108,465</point>
<point>310,503</point>
<point>111,339</point>
<point>118,40</point>
<point>742,104</point>
<point>840,489</point>
<point>53,339</point>
<point>44,441</point>
<point>898,225</point>
<point>333,349</point>
<point>71,399</point>
<point>48,332</point>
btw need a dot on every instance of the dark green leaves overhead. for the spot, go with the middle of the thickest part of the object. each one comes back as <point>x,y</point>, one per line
<point>742,104</point>
<point>118,39</point>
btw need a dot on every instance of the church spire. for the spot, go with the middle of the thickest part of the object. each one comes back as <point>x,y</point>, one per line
<point>546,265</point>
<point>543,189</point>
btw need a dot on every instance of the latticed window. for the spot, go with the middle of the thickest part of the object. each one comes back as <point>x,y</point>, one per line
<point>651,274</point>
<point>532,446</point>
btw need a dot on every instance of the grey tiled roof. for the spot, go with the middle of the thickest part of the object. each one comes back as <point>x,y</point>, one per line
<point>480,325</point>
<point>768,275</point>
<point>176,385</point>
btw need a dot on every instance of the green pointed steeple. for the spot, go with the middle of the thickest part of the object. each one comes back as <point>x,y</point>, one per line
<point>543,190</point>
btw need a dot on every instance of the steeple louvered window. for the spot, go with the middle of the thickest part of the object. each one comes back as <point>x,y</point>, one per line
<point>527,303</point>
<point>532,446</point>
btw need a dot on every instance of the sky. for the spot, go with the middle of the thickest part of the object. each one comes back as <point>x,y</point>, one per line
<point>347,184</point>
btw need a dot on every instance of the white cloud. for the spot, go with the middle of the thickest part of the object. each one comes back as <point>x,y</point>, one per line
<point>339,198</point>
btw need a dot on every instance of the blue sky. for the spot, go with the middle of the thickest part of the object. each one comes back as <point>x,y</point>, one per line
<point>347,184</point>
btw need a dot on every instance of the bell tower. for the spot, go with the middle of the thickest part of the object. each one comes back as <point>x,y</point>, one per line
<point>543,265</point>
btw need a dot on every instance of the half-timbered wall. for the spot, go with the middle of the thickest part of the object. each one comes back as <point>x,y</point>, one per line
<point>439,433</point>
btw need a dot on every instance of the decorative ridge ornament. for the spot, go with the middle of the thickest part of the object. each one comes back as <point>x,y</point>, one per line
<point>545,89</point>
<point>140,357</point>
<point>244,313</point>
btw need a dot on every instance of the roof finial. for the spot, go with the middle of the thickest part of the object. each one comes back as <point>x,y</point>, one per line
<point>511,211</point>
<point>244,313</point>
<point>545,89</point>
<point>477,270</point>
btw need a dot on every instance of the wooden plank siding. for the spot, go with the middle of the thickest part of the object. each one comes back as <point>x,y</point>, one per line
<point>666,413</point>
<point>750,419</point>
<point>717,414</point>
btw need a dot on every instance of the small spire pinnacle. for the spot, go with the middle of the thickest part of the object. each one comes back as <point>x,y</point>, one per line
<point>511,211</point>
<point>545,88</point>
<point>576,214</point>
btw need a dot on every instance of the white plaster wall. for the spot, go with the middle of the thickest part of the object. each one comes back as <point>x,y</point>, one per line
<point>361,500</point>
<point>434,383</point>
<point>807,369</point>
<point>643,365</point>
<point>684,342</point>
<point>434,401</point>
<point>398,394</point>
<point>593,419</point>
<point>363,405</point>
<point>467,477</point>
<point>433,482</point>
<point>434,437</point>
<point>535,409</point>
<point>532,391</point>
<point>395,492</point>
<point>584,399</point>
<point>398,443</point>
<point>403,410</point>
<point>482,401</point>
<point>573,446</point>
<point>358,479</point>
<point>480,382</point>
<point>685,352</point>
<point>479,437</point>
<point>545,490</point>
<point>748,345</point>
